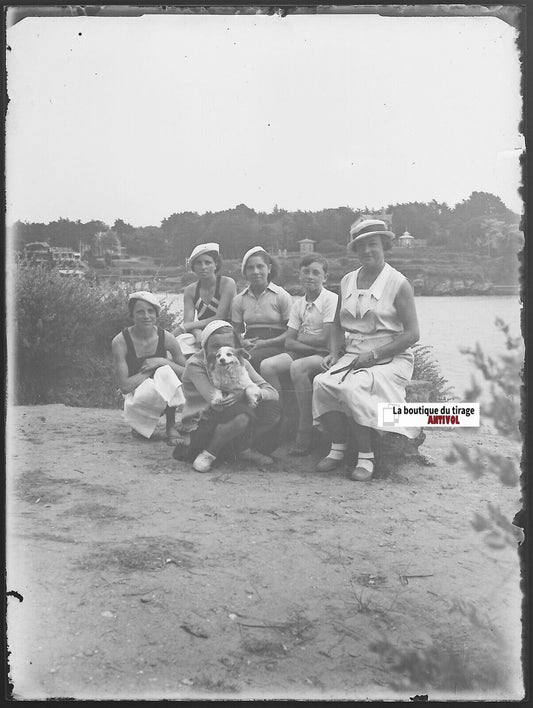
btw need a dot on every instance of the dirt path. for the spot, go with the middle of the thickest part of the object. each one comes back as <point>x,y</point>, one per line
<point>143,579</point>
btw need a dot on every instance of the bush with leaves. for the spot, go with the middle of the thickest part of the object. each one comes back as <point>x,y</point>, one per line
<point>503,373</point>
<point>427,369</point>
<point>62,336</point>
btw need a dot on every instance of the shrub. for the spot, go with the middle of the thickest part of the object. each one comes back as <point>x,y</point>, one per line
<point>427,369</point>
<point>63,334</point>
<point>504,410</point>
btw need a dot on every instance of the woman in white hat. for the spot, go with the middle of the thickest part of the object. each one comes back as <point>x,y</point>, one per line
<point>148,378</point>
<point>375,324</point>
<point>213,431</point>
<point>261,311</point>
<point>210,297</point>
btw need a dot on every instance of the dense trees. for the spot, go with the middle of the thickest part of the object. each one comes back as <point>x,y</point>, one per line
<point>482,224</point>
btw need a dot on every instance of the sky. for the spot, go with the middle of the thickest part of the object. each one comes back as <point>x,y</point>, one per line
<point>140,118</point>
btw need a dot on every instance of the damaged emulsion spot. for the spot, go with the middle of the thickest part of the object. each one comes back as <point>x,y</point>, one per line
<point>14,593</point>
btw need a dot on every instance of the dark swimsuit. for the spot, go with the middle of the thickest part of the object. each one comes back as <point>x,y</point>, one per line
<point>207,309</point>
<point>135,362</point>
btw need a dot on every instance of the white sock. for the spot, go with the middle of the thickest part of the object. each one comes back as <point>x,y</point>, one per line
<point>209,455</point>
<point>337,451</point>
<point>366,461</point>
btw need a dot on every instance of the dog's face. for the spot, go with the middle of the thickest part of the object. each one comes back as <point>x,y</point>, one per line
<point>226,356</point>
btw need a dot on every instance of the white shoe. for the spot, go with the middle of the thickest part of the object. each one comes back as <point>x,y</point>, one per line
<point>203,462</point>
<point>329,463</point>
<point>363,474</point>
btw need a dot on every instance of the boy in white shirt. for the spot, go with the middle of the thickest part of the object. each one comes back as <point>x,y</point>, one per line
<point>306,343</point>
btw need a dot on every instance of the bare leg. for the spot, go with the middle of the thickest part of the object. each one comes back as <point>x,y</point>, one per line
<point>272,367</point>
<point>170,415</point>
<point>301,372</point>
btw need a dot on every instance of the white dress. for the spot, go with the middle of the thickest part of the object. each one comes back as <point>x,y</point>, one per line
<point>369,320</point>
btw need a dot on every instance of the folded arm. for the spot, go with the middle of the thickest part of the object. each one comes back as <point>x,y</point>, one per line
<point>126,383</point>
<point>308,343</point>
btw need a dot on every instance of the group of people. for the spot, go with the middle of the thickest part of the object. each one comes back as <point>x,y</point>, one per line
<point>343,354</point>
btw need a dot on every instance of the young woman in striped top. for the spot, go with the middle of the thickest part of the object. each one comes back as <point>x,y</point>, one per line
<point>210,297</point>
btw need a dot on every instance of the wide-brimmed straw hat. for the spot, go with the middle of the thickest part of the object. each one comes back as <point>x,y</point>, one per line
<point>368,227</point>
<point>147,297</point>
<point>199,250</point>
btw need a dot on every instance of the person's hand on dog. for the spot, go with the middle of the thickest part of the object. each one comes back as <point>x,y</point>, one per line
<point>229,399</point>
<point>249,343</point>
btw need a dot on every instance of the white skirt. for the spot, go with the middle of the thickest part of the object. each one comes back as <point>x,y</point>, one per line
<point>144,406</point>
<point>361,391</point>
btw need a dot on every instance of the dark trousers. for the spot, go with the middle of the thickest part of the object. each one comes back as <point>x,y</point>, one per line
<point>261,434</point>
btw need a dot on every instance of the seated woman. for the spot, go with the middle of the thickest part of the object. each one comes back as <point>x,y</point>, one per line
<point>206,300</point>
<point>375,323</point>
<point>217,430</point>
<point>146,376</point>
<point>262,310</point>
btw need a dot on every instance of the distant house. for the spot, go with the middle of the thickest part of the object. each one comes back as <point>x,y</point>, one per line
<point>66,257</point>
<point>38,252</point>
<point>406,240</point>
<point>307,245</point>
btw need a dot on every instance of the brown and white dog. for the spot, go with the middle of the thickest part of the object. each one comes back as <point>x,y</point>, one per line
<point>229,375</point>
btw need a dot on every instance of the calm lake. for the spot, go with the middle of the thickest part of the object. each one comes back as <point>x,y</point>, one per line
<point>448,324</point>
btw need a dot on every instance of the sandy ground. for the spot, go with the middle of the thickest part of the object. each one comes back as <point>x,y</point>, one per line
<point>143,579</point>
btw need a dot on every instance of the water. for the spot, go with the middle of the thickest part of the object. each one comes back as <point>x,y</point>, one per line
<point>448,324</point>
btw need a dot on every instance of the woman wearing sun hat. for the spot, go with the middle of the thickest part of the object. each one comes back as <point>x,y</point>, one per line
<point>212,431</point>
<point>375,324</point>
<point>261,311</point>
<point>206,300</point>
<point>147,377</point>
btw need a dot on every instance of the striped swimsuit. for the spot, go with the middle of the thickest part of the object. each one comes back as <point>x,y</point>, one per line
<point>207,309</point>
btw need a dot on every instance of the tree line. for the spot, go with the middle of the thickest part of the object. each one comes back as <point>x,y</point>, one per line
<point>482,223</point>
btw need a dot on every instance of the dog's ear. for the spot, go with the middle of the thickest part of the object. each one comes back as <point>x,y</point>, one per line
<point>211,359</point>
<point>242,354</point>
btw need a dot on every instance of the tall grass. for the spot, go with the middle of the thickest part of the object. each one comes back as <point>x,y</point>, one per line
<point>62,331</point>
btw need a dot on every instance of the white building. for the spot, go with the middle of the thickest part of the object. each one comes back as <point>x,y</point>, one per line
<point>307,245</point>
<point>406,240</point>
